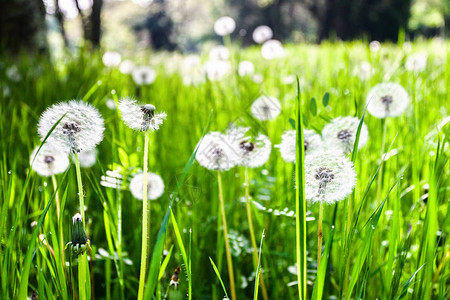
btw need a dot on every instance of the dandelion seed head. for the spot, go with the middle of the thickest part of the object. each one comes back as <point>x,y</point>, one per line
<point>76,218</point>
<point>329,177</point>
<point>80,129</point>
<point>144,75</point>
<point>375,46</point>
<point>127,67</point>
<point>224,26</point>
<point>246,68</point>
<point>416,62</point>
<point>387,100</point>
<point>272,49</point>
<point>220,53</point>
<point>49,161</point>
<point>312,143</point>
<point>111,59</point>
<point>258,78</point>
<point>266,108</point>
<point>140,117</point>
<point>341,133</point>
<point>215,70</point>
<point>87,158</point>
<point>364,71</point>
<point>217,152</point>
<point>155,186</point>
<point>261,34</point>
<point>253,151</point>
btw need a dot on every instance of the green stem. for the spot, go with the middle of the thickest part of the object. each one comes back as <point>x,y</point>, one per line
<point>145,223</point>
<point>60,223</point>
<point>225,236</point>
<point>319,236</point>
<point>252,235</point>
<point>82,259</point>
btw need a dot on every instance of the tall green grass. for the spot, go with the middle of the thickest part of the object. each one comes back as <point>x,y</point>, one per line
<point>389,240</point>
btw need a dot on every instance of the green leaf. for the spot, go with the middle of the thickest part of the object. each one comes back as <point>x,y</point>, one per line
<point>313,106</point>
<point>326,99</point>
<point>322,272</point>
<point>292,122</point>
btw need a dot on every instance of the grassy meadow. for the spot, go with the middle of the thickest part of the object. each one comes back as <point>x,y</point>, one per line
<point>387,240</point>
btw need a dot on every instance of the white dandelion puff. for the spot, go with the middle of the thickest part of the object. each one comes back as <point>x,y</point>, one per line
<point>329,177</point>
<point>219,52</point>
<point>80,129</point>
<point>191,62</point>
<point>49,161</point>
<point>224,26</point>
<point>375,46</point>
<point>341,133</point>
<point>216,152</point>
<point>272,49</point>
<point>253,151</point>
<point>140,117</point>
<point>111,104</point>
<point>216,70</point>
<point>311,140</point>
<point>416,62</point>
<point>266,108</point>
<point>111,59</point>
<point>387,100</point>
<point>144,75</point>
<point>261,34</point>
<point>13,74</point>
<point>363,71</point>
<point>246,68</point>
<point>258,78</point>
<point>155,186</point>
<point>126,67</point>
<point>87,158</point>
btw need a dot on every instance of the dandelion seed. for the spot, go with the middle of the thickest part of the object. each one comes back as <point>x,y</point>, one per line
<point>253,151</point>
<point>216,70</point>
<point>312,142</point>
<point>416,62</point>
<point>217,152</point>
<point>246,68</point>
<point>144,75</point>
<point>80,129</point>
<point>272,49</point>
<point>341,133</point>
<point>111,59</point>
<point>126,67</point>
<point>140,117</point>
<point>387,100</point>
<point>220,53</point>
<point>261,34</point>
<point>155,186</point>
<point>266,108</point>
<point>224,26</point>
<point>329,177</point>
<point>49,161</point>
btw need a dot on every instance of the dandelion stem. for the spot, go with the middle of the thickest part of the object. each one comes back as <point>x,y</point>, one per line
<point>225,236</point>
<point>145,223</point>
<point>319,235</point>
<point>252,235</point>
<point>82,259</point>
<point>60,224</point>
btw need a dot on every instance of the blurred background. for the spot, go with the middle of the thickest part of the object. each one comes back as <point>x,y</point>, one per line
<point>127,26</point>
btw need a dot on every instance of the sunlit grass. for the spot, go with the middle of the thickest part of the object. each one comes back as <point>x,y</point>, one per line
<point>388,240</point>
